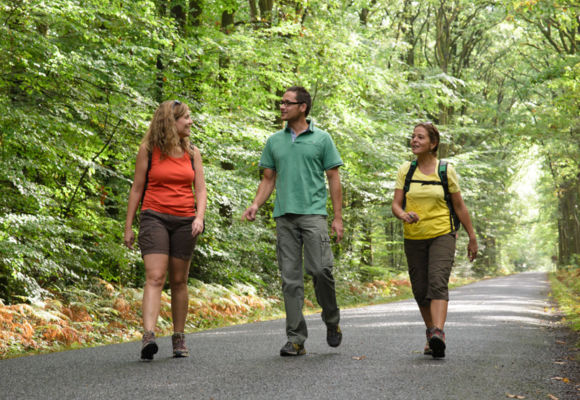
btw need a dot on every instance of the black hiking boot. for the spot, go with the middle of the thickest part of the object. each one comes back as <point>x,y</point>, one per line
<point>333,335</point>
<point>292,349</point>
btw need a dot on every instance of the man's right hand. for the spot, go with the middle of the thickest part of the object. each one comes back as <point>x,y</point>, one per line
<point>250,213</point>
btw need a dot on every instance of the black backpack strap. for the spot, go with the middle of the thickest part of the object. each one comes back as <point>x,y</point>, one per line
<point>408,179</point>
<point>453,219</point>
<point>149,156</point>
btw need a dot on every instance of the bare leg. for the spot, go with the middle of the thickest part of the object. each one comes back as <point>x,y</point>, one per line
<point>178,276</point>
<point>435,314</point>
<point>426,314</point>
<point>155,273</point>
<point>439,313</point>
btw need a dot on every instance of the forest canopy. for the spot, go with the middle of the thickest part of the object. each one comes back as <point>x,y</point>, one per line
<point>81,80</point>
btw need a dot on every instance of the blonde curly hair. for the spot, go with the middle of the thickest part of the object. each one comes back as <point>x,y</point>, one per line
<point>162,132</point>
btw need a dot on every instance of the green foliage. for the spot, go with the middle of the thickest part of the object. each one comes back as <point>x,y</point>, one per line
<point>565,285</point>
<point>81,80</point>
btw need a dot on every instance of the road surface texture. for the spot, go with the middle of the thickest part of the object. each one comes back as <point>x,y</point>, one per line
<point>501,338</point>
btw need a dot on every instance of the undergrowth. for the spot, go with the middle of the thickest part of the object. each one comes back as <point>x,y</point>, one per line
<point>565,283</point>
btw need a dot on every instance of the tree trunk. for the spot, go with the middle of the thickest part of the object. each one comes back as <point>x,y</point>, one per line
<point>253,11</point>
<point>160,79</point>
<point>180,16</point>
<point>195,11</point>
<point>569,223</point>
<point>443,49</point>
<point>363,16</point>
<point>266,7</point>
<point>227,24</point>
<point>366,253</point>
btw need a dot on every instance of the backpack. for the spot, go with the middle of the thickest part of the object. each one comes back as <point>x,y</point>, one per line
<point>442,172</point>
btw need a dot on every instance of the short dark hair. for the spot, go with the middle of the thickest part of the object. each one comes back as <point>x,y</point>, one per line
<point>433,134</point>
<point>302,96</point>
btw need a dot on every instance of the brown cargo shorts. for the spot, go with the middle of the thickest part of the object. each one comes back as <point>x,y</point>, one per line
<point>166,234</point>
<point>430,262</point>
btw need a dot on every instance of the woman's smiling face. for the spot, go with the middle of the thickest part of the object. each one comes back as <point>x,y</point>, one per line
<point>183,125</point>
<point>421,142</point>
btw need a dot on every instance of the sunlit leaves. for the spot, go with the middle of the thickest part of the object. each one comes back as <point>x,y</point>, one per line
<point>81,80</point>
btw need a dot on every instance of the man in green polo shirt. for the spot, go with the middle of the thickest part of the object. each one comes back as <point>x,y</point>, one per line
<point>295,161</point>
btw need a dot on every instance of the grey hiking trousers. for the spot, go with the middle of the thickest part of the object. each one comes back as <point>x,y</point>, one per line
<point>296,232</point>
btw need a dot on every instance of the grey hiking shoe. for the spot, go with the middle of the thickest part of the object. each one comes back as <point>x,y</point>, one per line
<point>333,335</point>
<point>148,346</point>
<point>179,348</point>
<point>292,349</point>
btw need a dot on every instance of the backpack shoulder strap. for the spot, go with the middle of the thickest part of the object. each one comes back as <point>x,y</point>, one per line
<point>408,179</point>
<point>149,157</point>
<point>442,172</point>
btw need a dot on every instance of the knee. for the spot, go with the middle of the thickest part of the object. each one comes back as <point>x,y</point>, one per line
<point>178,283</point>
<point>439,286</point>
<point>322,274</point>
<point>439,292</point>
<point>155,280</point>
<point>293,288</point>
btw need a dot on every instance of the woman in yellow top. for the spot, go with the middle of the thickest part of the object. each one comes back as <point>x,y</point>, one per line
<point>429,234</point>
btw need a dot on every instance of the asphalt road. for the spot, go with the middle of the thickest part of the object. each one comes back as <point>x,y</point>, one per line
<point>501,342</point>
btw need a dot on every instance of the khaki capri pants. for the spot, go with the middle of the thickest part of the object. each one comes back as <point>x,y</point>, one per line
<point>430,262</point>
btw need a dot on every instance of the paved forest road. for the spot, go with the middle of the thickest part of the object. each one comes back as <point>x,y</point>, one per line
<point>499,336</point>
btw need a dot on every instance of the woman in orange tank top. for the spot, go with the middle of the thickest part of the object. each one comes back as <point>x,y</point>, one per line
<point>171,218</point>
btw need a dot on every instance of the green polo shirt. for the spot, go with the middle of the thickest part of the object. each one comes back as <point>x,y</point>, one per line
<point>300,167</point>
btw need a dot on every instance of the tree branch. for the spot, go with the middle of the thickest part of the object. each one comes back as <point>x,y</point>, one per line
<point>67,209</point>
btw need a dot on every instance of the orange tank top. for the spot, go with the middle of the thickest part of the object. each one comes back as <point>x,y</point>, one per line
<point>169,187</point>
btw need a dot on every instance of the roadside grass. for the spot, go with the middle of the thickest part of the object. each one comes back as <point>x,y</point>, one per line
<point>565,283</point>
<point>110,314</point>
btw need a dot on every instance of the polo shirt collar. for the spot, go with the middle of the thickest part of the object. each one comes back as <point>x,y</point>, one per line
<point>309,130</point>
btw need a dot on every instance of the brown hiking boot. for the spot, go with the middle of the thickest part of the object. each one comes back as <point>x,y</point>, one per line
<point>427,350</point>
<point>179,348</point>
<point>148,347</point>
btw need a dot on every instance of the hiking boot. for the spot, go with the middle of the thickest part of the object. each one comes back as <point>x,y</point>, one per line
<point>333,335</point>
<point>427,350</point>
<point>437,343</point>
<point>292,349</point>
<point>179,348</point>
<point>148,346</point>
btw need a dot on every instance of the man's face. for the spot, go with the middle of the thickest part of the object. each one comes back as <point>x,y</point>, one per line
<point>289,110</point>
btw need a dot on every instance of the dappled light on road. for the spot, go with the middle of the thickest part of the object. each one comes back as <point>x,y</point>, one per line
<point>499,336</point>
